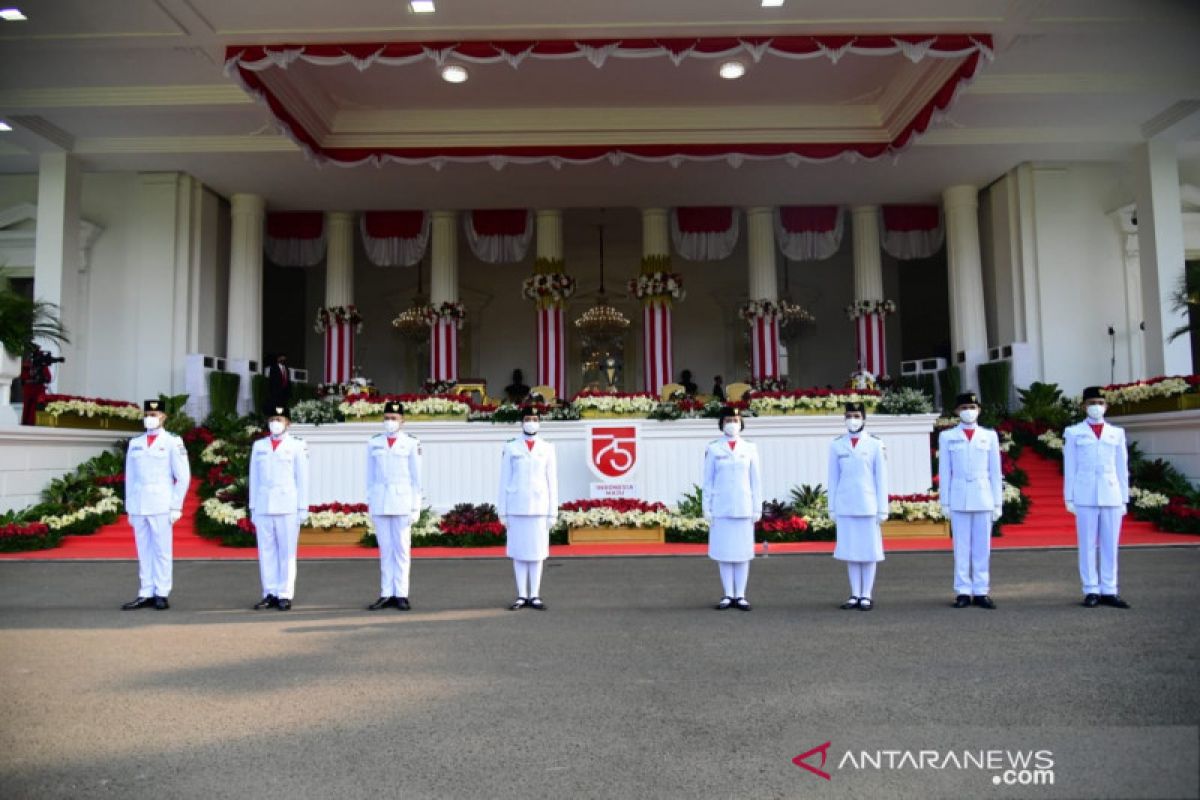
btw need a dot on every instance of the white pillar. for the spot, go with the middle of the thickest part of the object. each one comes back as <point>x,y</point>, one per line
<point>760,240</point>
<point>1132,333</point>
<point>56,257</point>
<point>868,259</point>
<point>1160,245</point>
<point>549,235</point>
<point>244,341</point>
<point>339,258</point>
<point>443,258</point>
<point>968,323</point>
<point>656,240</point>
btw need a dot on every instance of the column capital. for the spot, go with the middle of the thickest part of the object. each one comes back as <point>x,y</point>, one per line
<point>443,214</point>
<point>859,211</point>
<point>247,204</point>
<point>960,196</point>
<point>339,216</point>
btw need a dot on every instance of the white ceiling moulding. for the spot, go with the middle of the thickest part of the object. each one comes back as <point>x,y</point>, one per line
<point>219,94</point>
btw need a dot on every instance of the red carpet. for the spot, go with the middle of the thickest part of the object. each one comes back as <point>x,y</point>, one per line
<point>1047,525</point>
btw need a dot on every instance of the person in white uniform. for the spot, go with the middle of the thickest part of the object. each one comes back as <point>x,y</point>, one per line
<point>1096,490</point>
<point>528,505</point>
<point>732,500</point>
<point>156,481</point>
<point>858,502</point>
<point>394,500</point>
<point>970,492</point>
<point>278,504</point>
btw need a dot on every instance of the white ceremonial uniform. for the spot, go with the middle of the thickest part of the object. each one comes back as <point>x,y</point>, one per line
<point>858,495</point>
<point>969,490</point>
<point>278,504</point>
<point>732,496</point>
<point>156,481</point>
<point>1096,481</point>
<point>394,500</point>
<point>528,497</point>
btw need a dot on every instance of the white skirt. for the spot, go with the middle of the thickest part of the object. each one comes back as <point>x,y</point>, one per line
<point>858,539</point>
<point>731,539</point>
<point>528,538</point>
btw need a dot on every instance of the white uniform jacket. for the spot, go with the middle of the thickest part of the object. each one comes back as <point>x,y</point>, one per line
<point>969,470</point>
<point>156,475</point>
<point>732,484</point>
<point>394,476</point>
<point>857,477</point>
<point>528,479</point>
<point>1095,471</point>
<point>279,476</point>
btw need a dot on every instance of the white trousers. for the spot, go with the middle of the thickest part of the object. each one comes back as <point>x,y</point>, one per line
<point>1098,528</point>
<point>154,547</point>
<point>972,531</point>
<point>278,535</point>
<point>394,533</point>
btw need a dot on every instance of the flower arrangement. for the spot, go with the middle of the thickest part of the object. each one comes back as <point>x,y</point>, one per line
<point>479,522</point>
<point>615,403</point>
<point>861,308</point>
<point>1152,388</point>
<point>212,453</point>
<point>315,412</point>
<point>861,380</point>
<point>915,507</point>
<point>328,516</point>
<point>548,288</point>
<point>906,400</point>
<point>810,400</point>
<point>105,510</point>
<point>614,513</point>
<point>449,310</point>
<point>359,406</point>
<point>58,404</point>
<point>657,285</point>
<point>355,386</point>
<point>1050,440</point>
<point>27,536</point>
<point>758,385</point>
<point>1146,500</point>
<point>328,316</point>
<point>431,386</point>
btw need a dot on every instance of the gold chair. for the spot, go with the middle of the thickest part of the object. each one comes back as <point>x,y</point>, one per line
<point>735,391</point>
<point>669,389</point>
<point>470,387</point>
<point>547,392</point>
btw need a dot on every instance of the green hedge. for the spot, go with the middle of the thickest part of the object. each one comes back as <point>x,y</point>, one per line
<point>223,392</point>
<point>258,392</point>
<point>926,383</point>
<point>995,385</point>
<point>950,381</point>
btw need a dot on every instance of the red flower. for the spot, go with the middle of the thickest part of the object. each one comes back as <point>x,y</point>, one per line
<point>622,505</point>
<point>14,529</point>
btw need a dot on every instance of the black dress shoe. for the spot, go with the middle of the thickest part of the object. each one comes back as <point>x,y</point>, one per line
<point>962,601</point>
<point>742,604</point>
<point>1113,600</point>
<point>161,603</point>
<point>140,602</point>
<point>983,601</point>
<point>537,604</point>
<point>865,604</point>
<point>520,603</point>
<point>849,604</point>
<point>382,602</point>
<point>270,601</point>
<point>402,604</point>
<point>284,604</point>
<point>1091,600</point>
<point>725,603</point>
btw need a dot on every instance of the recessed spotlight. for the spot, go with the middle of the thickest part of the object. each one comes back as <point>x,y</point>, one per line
<point>12,15</point>
<point>732,70</point>
<point>453,73</point>
<point>5,127</point>
<point>421,6</point>
<point>772,3</point>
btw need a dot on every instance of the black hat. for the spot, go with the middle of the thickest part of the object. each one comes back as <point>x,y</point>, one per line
<point>279,411</point>
<point>530,410</point>
<point>728,412</point>
<point>1092,393</point>
<point>393,407</point>
<point>966,399</point>
<point>859,407</point>
<point>153,405</point>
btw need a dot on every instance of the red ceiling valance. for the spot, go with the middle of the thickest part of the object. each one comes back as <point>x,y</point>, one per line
<point>911,218</point>
<point>295,224</point>
<point>797,219</point>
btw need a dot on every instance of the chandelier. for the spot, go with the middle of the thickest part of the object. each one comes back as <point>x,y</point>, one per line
<point>413,322</point>
<point>793,313</point>
<point>601,319</point>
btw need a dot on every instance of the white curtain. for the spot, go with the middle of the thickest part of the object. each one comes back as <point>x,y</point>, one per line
<point>507,247</point>
<point>804,234</point>
<point>696,240</point>
<point>395,251</point>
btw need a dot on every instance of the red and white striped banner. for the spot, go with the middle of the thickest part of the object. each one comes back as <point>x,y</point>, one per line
<point>339,352</point>
<point>872,344</point>
<point>764,348</point>
<point>552,349</point>
<point>656,345</point>
<point>443,350</point>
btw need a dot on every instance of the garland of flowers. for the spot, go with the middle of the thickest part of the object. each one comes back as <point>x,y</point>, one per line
<point>615,403</point>
<point>452,310</point>
<point>58,404</point>
<point>88,518</point>
<point>330,516</point>
<point>829,400</point>
<point>860,308</point>
<point>549,286</point>
<point>16,536</point>
<point>328,316</point>
<point>1162,386</point>
<point>361,405</point>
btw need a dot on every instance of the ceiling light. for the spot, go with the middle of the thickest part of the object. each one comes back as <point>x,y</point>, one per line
<point>12,15</point>
<point>454,73</point>
<point>5,127</point>
<point>772,3</point>
<point>421,6</point>
<point>732,70</point>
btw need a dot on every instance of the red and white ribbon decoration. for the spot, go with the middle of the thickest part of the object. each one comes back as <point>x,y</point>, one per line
<point>704,233</point>
<point>657,368</point>
<point>443,350</point>
<point>809,233</point>
<point>295,238</point>
<point>764,347</point>
<point>394,238</point>
<point>499,236</point>
<point>911,231</point>
<point>339,352</point>
<point>552,349</point>
<point>871,342</point>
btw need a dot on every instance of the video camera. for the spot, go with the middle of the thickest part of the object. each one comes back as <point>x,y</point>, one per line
<point>41,358</point>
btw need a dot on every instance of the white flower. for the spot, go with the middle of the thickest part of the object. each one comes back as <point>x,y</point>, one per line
<point>212,453</point>
<point>1145,499</point>
<point>1051,440</point>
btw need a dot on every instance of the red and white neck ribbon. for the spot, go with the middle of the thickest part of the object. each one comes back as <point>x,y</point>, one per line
<point>552,349</point>
<point>394,238</point>
<point>657,368</point>
<point>443,350</point>
<point>764,347</point>
<point>704,233</point>
<point>870,337</point>
<point>809,233</point>
<point>499,236</point>
<point>911,231</point>
<point>339,352</point>
<point>295,238</point>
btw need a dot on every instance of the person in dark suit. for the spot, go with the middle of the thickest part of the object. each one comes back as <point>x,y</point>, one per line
<point>279,383</point>
<point>517,391</point>
<point>718,388</point>
<point>689,386</point>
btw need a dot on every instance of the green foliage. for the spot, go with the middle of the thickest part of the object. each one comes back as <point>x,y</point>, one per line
<point>809,500</point>
<point>1158,476</point>
<point>223,392</point>
<point>258,391</point>
<point>995,384</point>
<point>302,391</point>
<point>692,502</point>
<point>950,382</point>
<point>905,400</point>
<point>926,383</point>
<point>1044,403</point>
<point>177,422</point>
<point>22,320</point>
<point>316,412</point>
<point>1185,300</point>
<point>665,412</point>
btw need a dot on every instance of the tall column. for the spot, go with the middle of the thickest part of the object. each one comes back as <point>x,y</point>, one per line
<point>443,288</point>
<point>869,333</point>
<point>968,323</point>
<point>244,340</point>
<point>339,291</point>
<point>657,366</point>
<point>56,258</point>
<point>1135,339</point>
<point>1160,245</point>
<point>551,318</point>
<point>764,286</point>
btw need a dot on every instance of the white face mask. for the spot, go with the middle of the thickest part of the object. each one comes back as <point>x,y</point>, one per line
<point>531,428</point>
<point>854,425</point>
<point>276,427</point>
<point>732,429</point>
<point>391,425</point>
<point>152,423</point>
<point>1095,412</point>
<point>969,415</point>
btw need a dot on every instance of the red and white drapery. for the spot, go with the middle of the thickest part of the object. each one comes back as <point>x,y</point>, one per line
<point>764,347</point>
<point>443,350</point>
<point>911,231</point>
<point>552,348</point>
<point>706,233</point>
<point>657,368</point>
<point>339,351</point>
<point>394,238</point>
<point>499,236</point>
<point>295,238</point>
<point>871,343</point>
<point>809,233</point>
